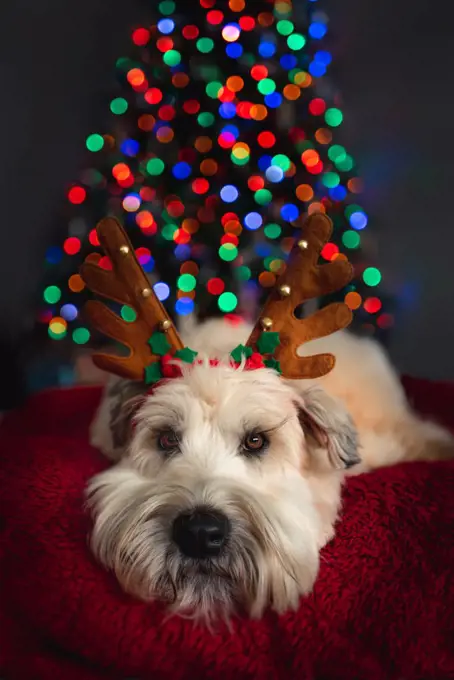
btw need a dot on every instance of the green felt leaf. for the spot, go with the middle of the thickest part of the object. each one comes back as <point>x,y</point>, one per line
<point>268,342</point>
<point>239,352</point>
<point>159,344</point>
<point>187,355</point>
<point>274,364</point>
<point>153,373</point>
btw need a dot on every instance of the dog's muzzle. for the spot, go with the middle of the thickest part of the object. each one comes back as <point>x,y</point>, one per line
<point>201,533</point>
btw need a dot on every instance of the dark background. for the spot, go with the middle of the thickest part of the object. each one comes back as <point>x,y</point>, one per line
<point>392,62</point>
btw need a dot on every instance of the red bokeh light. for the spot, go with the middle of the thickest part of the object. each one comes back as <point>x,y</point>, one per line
<point>72,245</point>
<point>215,286</point>
<point>317,107</point>
<point>153,95</point>
<point>266,139</point>
<point>255,182</point>
<point>215,17</point>
<point>200,186</point>
<point>247,23</point>
<point>140,36</point>
<point>329,251</point>
<point>191,106</point>
<point>259,72</point>
<point>372,305</point>
<point>93,238</point>
<point>190,32</point>
<point>77,195</point>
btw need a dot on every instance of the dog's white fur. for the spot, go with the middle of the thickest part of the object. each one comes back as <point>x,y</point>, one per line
<point>282,505</point>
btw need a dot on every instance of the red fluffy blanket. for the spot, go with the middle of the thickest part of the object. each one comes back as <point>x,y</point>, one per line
<point>382,608</point>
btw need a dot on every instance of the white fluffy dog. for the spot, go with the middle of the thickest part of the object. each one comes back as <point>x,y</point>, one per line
<point>229,484</point>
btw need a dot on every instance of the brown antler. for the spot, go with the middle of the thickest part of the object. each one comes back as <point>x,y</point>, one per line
<point>127,284</point>
<point>302,280</point>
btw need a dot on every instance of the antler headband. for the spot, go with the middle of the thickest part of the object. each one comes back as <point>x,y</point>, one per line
<point>276,335</point>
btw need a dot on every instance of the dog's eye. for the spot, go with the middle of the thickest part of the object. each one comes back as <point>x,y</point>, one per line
<point>168,440</point>
<point>255,442</point>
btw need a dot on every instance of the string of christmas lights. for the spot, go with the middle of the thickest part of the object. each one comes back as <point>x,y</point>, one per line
<point>221,139</point>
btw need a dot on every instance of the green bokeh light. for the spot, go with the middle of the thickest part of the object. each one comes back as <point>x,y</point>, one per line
<point>168,231</point>
<point>213,89</point>
<point>281,161</point>
<point>285,27</point>
<point>330,179</point>
<point>296,41</point>
<point>242,273</point>
<point>273,230</point>
<point>227,302</point>
<point>266,86</point>
<point>336,153</point>
<point>155,166</point>
<point>345,164</point>
<point>352,208</point>
<point>372,276</point>
<point>205,45</point>
<point>351,239</point>
<point>52,294</point>
<point>205,119</point>
<point>118,106</point>
<point>128,314</point>
<point>94,142</point>
<point>186,282</point>
<point>81,336</point>
<point>267,262</point>
<point>171,58</point>
<point>167,7</point>
<point>56,336</point>
<point>333,117</point>
<point>228,252</point>
<point>263,196</point>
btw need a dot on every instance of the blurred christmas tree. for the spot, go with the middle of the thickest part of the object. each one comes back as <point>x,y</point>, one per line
<point>220,139</point>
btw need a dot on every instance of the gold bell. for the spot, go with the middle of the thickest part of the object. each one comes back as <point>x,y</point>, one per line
<point>124,250</point>
<point>266,323</point>
<point>285,290</point>
<point>303,244</point>
<point>165,325</point>
<point>146,292</point>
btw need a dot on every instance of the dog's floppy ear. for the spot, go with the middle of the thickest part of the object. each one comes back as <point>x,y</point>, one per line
<point>328,428</point>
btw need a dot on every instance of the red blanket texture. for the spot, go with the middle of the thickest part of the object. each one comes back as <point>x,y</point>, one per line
<point>382,608</point>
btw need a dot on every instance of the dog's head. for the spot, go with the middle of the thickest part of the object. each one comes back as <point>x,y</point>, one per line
<point>229,489</point>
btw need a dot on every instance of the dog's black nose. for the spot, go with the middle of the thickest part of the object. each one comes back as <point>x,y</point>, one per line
<point>201,533</point>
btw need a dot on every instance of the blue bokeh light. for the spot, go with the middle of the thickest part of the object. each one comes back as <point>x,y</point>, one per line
<point>264,162</point>
<point>273,100</point>
<point>324,56</point>
<point>234,50</point>
<point>69,312</point>
<point>317,69</point>
<point>274,174</point>
<point>227,110</point>
<point>162,290</point>
<point>338,193</point>
<point>54,254</point>
<point>289,212</point>
<point>229,193</point>
<point>253,221</point>
<point>267,49</point>
<point>288,61</point>
<point>181,170</point>
<point>148,266</point>
<point>317,30</point>
<point>166,26</point>
<point>358,220</point>
<point>184,306</point>
<point>130,147</point>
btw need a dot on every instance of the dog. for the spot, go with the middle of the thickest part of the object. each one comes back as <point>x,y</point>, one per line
<point>226,483</point>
